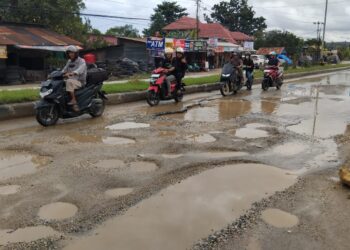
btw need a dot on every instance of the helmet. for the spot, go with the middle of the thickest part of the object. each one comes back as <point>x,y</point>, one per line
<point>180,50</point>
<point>169,51</point>
<point>273,53</point>
<point>248,54</point>
<point>72,48</point>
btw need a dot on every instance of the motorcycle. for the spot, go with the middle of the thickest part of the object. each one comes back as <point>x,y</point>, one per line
<point>158,92</point>
<point>54,98</point>
<point>230,82</point>
<point>272,78</point>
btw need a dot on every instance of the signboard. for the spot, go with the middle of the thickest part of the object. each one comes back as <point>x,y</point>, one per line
<point>213,42</point>
<point>155,43</point>
<point>196,46</point>
<point>3,52</point>
<point>248,45</point>
<point>179,43</point>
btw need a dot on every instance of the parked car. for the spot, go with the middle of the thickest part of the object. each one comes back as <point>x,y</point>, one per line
<point>259,61</point>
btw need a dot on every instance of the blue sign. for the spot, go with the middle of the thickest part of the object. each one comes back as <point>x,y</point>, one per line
<point>155,43</point>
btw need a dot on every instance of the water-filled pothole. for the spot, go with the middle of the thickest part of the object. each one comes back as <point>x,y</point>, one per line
<point>27,234</point>
<point>9,189</point>
<point>182,214</point>
<point>290,148</point>
<point>117,192</point>
<point>217,155</point>
<point>127,125</point>
<point>117,141</point>
<point>15,164</point>
<point>203,138</point>
<point>251,131</point>
<point>279,218</point>
<point>57,211</point>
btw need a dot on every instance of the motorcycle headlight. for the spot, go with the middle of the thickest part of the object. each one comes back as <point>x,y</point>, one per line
<point>226,75</point>
<point>45,93</point>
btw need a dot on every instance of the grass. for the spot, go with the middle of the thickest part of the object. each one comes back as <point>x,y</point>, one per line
<point>26,95</point>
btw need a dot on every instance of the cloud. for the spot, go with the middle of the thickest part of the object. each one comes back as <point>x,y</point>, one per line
<point>296,16</point>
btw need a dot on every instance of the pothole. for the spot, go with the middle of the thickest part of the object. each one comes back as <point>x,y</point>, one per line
<point>218,155</point>
<point>27,234</point>
<point>290,148</point>
<point>117,192</point>
<point>142,166</point>
<point>203,138</point>
<point>57,211</point>
<point>10,189</point>
<point>117,141</point>
<point>127,125</point>
<point>171,156</point>
<point>251,131</point>
<point>15,164</point>
<point>175,215</point>
<point>279,218</point>
<point>110,164</point>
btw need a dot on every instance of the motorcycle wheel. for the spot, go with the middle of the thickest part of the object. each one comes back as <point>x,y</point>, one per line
<point>47,116</point>
<point>178,96</point>
<point>265,84</point>
<point>98,109</point>
<point>152,98</point>
<point>225,89</point>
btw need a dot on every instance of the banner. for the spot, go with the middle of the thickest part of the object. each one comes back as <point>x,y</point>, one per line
<point>155,43</point>
<point>3,52</point>
<point>248,45</point>
<point>213,42</point>
<point>179,43</point>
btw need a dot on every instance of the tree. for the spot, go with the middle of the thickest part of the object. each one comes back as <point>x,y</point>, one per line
<point>236,15</point>
<point>125,31</point>
<point>61,16</point>
<point>277,38</point>
<point>164,14</point>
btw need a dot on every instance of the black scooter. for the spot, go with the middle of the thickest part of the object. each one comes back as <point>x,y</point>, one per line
<point>230,82</point>
<point>54,98</point>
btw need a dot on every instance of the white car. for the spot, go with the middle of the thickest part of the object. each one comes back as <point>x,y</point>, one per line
<point>259,61</point>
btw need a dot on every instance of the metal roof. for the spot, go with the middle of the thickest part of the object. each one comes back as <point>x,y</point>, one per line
<point>32,35</point>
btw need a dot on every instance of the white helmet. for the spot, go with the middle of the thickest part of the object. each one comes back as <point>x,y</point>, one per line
<point>72,48</point>
<point>169,51</point>
<point>180,50</point>
<point>273,53</point>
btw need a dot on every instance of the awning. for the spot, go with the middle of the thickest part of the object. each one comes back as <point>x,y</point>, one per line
<point>227,47</point>
<point>47,48</point>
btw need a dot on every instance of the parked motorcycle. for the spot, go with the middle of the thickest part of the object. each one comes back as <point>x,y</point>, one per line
<point>158,92</point>
<point>230,82</point>
<point>54,98</point>
<point>272,78</point>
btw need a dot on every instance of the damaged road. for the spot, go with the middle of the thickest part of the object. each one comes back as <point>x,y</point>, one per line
<point>252,171</point>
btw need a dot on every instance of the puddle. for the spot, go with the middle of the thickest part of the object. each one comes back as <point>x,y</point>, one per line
<point>110,164</point>
<point>171,156</point>
<point>84,138</point>
<point>180,215</point>
<point>142,166</point>
<point>27,234</point>
<point>127,125</point>
<point>57,211</point>
<point>13,164</point>
<point>279,218</point>
<point>218,155</point>
<point>117,192</point>
<point>10,189</point>
<point>251,131</point>
<point>117,141</point>
<point>290,148</point>
<point>203,138</point>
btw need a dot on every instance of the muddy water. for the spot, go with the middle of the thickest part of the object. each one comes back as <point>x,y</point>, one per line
<point>279,218</point>
<point>203,138</point>
<point>171,156</point>
<point>217,155</point>
<point>290,148</point>
<point>117,192</point>
<point>57,211</point>
<point>27,234</point>
<point>10,189</point>
<point>251,131</point>
<point>127,125</point>
<point>15,164</point>
<point>182,214</point>
<point>117,141</point>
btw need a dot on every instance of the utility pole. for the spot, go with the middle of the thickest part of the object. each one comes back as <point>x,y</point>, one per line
<point>325,24</point>
<point>197,19</point>
<point>318,24</point>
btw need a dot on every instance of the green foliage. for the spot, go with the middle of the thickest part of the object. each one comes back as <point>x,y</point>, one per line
<point>59,15</point>
<point>237,15</point>
<point>344,53</point>
<point>125,31</point>
<point>277,38</point>
<point>164,14</point>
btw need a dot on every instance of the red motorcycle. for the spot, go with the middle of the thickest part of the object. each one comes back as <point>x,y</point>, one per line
<point>158,91</point>
<point>273,77</point>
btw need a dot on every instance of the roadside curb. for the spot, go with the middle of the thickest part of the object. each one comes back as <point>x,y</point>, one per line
<point>17,110</point>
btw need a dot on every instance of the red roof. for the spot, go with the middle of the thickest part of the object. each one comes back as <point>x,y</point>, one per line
<point>208,30</point>
<point>267,51</point>
<point>109,40</point>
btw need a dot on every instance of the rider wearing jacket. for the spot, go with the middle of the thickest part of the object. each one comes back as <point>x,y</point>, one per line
<point>168,63</point>
<point>273,60</point>
<point>237,63</point>
<point>249,66</point>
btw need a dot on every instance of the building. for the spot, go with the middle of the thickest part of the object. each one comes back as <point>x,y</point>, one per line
<point>28,51</point>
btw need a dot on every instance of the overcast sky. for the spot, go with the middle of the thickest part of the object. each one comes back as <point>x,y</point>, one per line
<point>292,15</point>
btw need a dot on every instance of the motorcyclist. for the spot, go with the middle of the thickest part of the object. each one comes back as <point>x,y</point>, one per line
<point>180,64</point>
<point>76,72</point>
<point>237,63</point>
<point>168,63</point>
<point>273,60</point>
<point>249,67</point>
